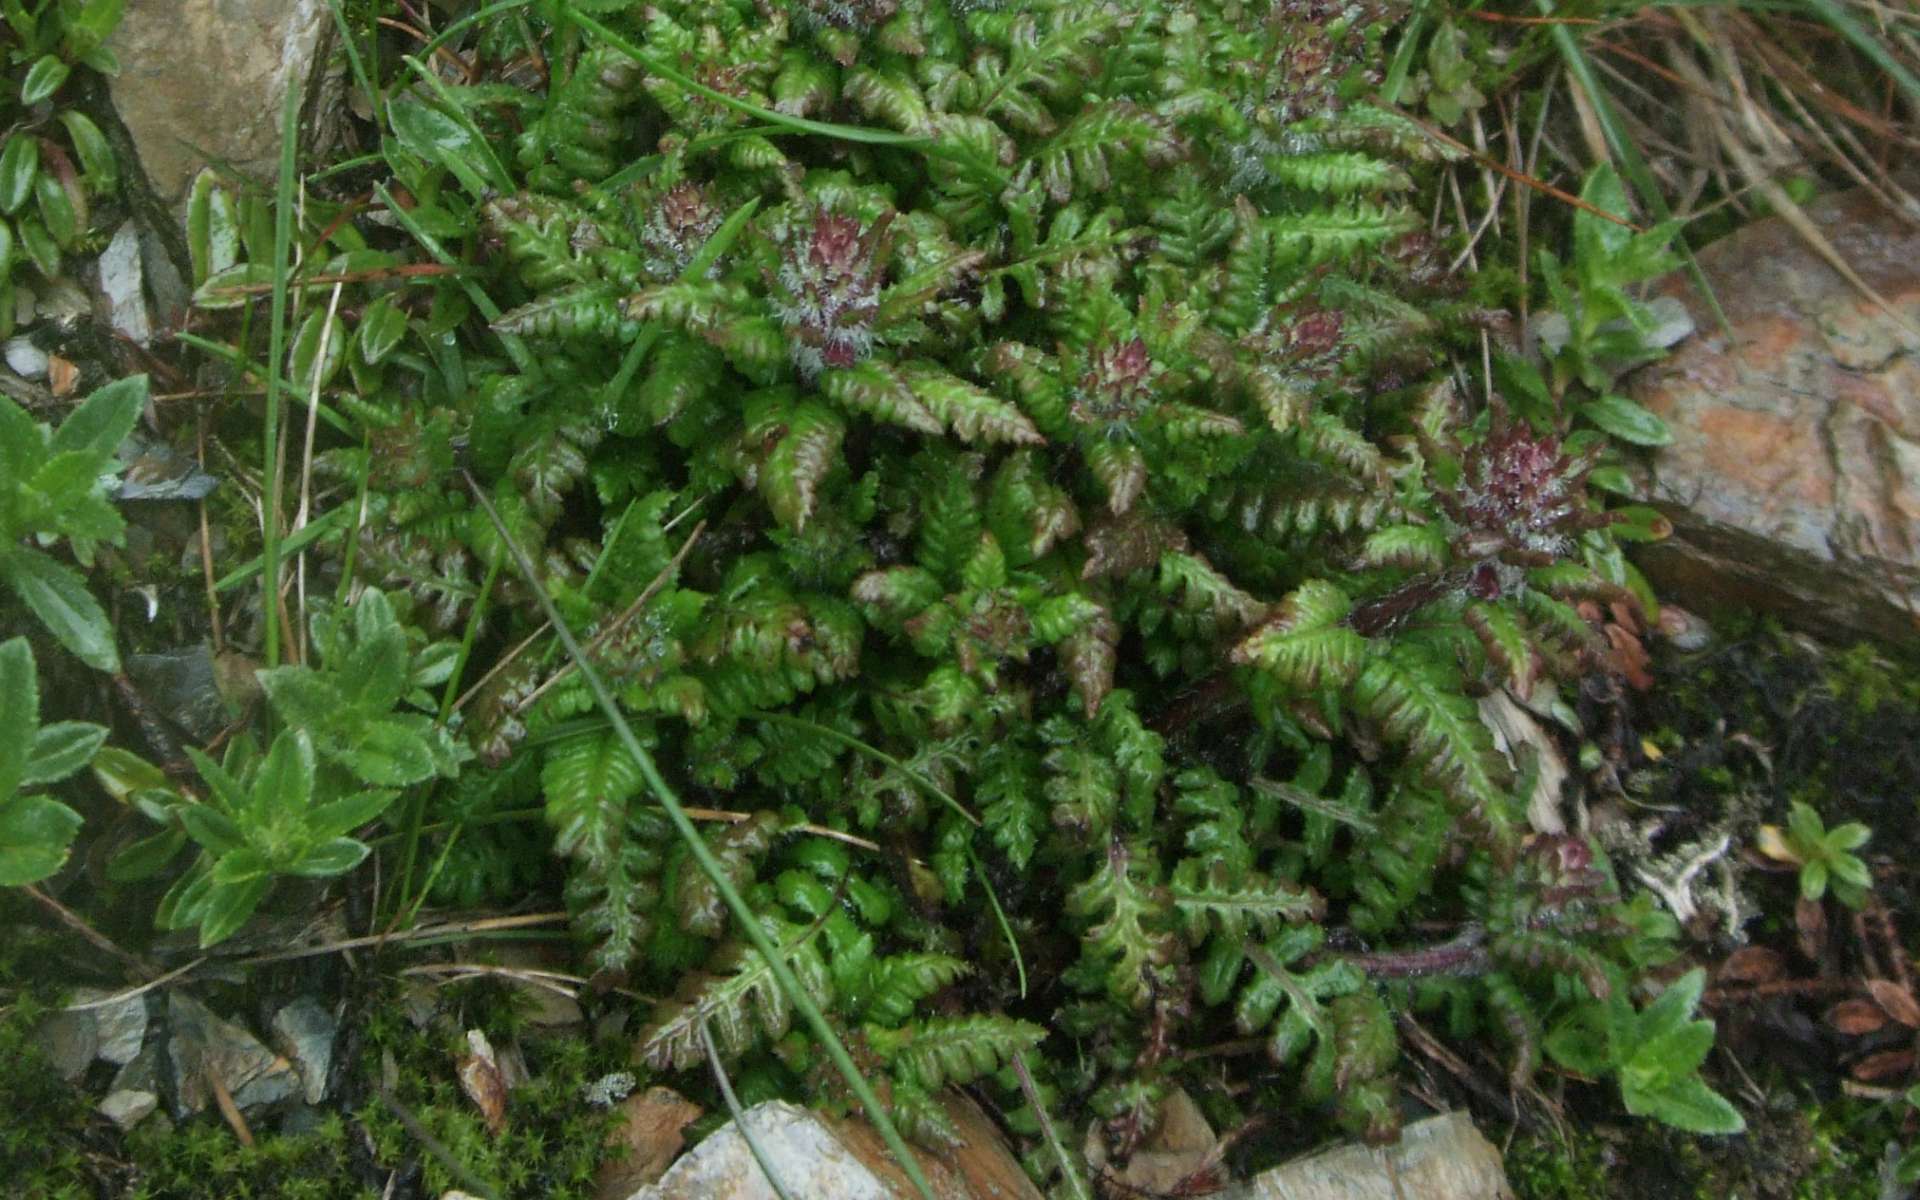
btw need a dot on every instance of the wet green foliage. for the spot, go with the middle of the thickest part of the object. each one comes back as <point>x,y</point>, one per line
<point>55,161</point>
<point>1003,459</point>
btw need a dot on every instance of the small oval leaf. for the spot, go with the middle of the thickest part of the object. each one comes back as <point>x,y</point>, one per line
<point>1883,1067</point>
<point>147,857</point>
<point>61,749</point>
<point>317,352</point>
<point>1752,964</point>
<point>19,164</point>
<point>1896,1001</point>
<point>41,249</point>
<point>381,327</point>
<point>1627,421</point>
<point>57,211</point>
<point>1855,1018</point>
<point>97,163</point>
<point>234,286</point>
<point>43,79</point>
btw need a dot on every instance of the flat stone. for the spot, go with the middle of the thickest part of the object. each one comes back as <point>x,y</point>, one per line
<point>1179,1153</point>
<point>127,1107</point>
<point>74,1037</point>
<point>205,1047</point>
<point>203,81</point>
<point>123,1029</point>
<point>122,286</point>
<point>644,1141</point>
<point>843,1160</point>
<point>1793,481</point>
<point>25,359</point>
<point>979,1167</point>
<point>800,1148</point>
<point>304,1032</point>
<point>70,1040</point>
<point>1440,1158</point>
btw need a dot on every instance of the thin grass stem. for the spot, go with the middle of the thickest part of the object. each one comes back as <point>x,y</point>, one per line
<point>704,857</point>
<point>276,352</point>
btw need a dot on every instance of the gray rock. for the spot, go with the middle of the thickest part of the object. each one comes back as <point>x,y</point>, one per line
<point>123,1029</point>
<point>202,81</point>
<point>183,683</point>
<point>122,288</point>
<point>1440,1158</point>
<point>205,1047</point>
<point>803,1151</point>
<point>127,1107</point>
<point>143,1072</point>
<point>26,359</point>
<point>70,1040</point>
<point>1793,480</point>
<point>304,1032</point>
<point>842,1159</point>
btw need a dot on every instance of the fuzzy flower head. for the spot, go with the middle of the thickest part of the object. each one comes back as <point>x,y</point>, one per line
<point>826,292</point>
<point>1116,388</point>
<point>679,223</point>
<point>1519,502</point>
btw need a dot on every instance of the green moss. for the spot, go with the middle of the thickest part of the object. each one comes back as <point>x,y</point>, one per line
<point>1848,1138</point>
<point>554,1140</point>
<point>1827,1151</point>
<point>203,1158</point>
<point>41,1141</point>
<point>1836,727</point>
<point>1543,1167</point>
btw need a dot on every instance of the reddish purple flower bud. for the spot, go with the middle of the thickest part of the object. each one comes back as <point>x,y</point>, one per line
<point>1117,386</point>
<point>1315,334</point>
<point>1520,498</point>
<point>827,291</point>
<point>676,228</point>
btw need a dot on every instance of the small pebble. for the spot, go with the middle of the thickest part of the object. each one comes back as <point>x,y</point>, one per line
<point>26,359</point>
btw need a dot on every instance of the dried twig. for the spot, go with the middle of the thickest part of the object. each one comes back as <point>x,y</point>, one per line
<point>79,925</point>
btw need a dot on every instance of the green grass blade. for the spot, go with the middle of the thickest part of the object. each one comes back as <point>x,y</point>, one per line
<point>477,17</point>
<point>516,348</point>
<point>704,857</point>
<point>1402,65</point>
<point>354,61</point>
<point>740,1115</point>
<point>1632,163</point>
<point>1000,916</point>
<point>876,753</point>
<point>276,354</point>
<point>1842,23</point>
<point>326,523</point>
<point>240,362</point>
<point>1076,1186</point>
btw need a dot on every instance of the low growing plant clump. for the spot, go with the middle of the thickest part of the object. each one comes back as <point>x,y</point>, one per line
<point>1006,464</point>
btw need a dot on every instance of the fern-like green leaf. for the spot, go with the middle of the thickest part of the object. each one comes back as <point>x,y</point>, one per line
<point>736,997</point>
<point>1234,904</point>
<point>1131,935</point>
<point>953,1051</point>
<point>877,390</point>
<point>585,311</point>
<point>973,415</point>
<point>1408,547</point>
<point>1419,705</point>
<point>1310,238</point>
<point>1304,642</point>
<point>1338,172</point>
